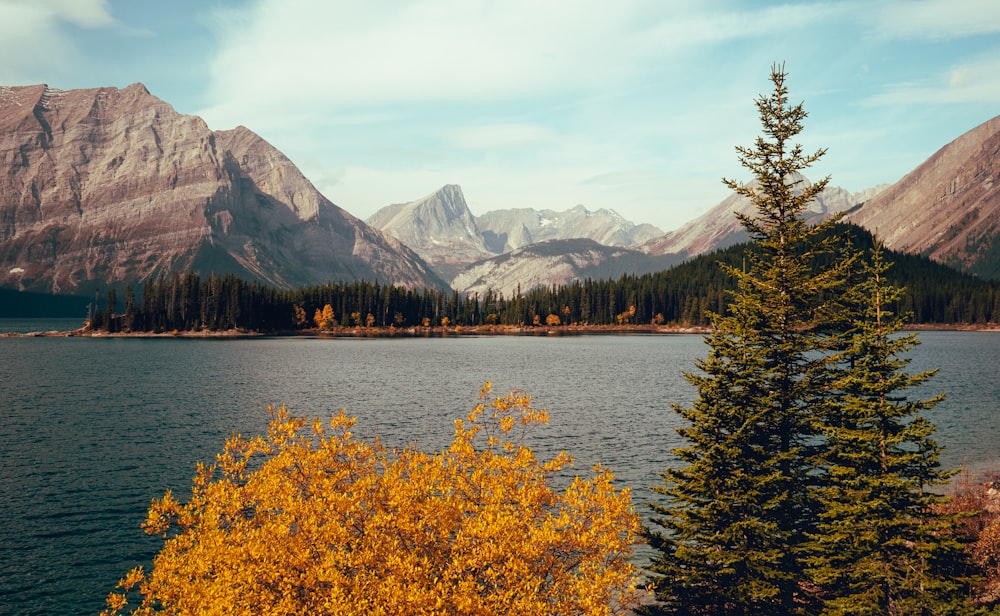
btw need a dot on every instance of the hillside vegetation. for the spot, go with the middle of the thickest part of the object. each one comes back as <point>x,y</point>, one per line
<point>934,295</point>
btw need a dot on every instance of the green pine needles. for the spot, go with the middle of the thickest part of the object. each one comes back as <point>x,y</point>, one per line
<point>803,487</point>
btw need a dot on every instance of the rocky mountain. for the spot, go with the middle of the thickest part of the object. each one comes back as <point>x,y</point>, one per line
<point>948,208</point>
<point>105,186</point>
<point>556,262</point>
<point>506,230</point>
<point>719,227</point>
<point>441,229</point>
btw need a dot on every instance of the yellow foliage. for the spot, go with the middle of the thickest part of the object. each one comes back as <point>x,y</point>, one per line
<point>324,319</point>
<point>311,520</point>
<point>299,316</point>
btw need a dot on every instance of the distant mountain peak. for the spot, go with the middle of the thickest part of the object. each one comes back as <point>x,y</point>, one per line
<point>720,228</point>
<point>441,228</point>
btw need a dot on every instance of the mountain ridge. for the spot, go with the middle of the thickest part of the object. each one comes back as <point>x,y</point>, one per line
<point>109,186</point>
<point>948,207</point>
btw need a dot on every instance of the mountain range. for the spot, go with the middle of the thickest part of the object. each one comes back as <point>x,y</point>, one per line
<point>507,250</point>
<point>444,232</point>
<point>110,186</point>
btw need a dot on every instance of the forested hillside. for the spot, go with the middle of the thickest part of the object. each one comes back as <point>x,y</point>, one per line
<point>679,296</point>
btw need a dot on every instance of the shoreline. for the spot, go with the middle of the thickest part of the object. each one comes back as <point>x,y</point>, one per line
<point>381,332</point>
<point>442,332</point>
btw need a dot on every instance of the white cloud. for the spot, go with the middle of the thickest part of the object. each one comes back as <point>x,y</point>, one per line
<point>338,55</point>
<point>977,81</point>
<point>346,53</point>
<point>32,44</point>
<point>935,19</point>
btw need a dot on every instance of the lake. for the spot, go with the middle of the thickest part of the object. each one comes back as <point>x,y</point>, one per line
<point>93,429</point>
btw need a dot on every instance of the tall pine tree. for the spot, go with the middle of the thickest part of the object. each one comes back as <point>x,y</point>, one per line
<point>881,546</point>
<point>738,514</point>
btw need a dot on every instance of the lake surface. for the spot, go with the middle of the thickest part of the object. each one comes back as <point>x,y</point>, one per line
<point>93,429</point>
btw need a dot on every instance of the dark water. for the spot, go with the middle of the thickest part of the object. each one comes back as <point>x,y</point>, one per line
<point>24,326</point>
<point>92,429</point>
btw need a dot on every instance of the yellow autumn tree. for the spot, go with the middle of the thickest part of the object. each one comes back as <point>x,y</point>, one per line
<point>324,319</point>
<point>313,520</point>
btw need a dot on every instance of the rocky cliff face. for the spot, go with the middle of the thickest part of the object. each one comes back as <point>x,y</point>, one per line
<point>106,186</point>
<point>948,208</point>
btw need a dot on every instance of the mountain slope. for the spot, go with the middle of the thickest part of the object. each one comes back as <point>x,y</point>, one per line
<point>556,262</point>
<point>107,186</point>
<point>509,229</point>
<point>948,208</point>
<point>719,228</point>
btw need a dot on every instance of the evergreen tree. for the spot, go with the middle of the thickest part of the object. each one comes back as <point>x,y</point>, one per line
<point>738,515</point>
<point>880,547</point>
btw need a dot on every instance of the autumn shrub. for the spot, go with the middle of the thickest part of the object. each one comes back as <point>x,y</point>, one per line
<point>313,520</point>
<point>976,504</point>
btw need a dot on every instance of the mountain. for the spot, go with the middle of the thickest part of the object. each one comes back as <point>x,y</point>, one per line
<point>507,230</point>
<point>107,186</point>
<point>439,227</point>
<point>444,232</point>
<point>556,262</point>
<point>719,228</point>
<point>948,208</point>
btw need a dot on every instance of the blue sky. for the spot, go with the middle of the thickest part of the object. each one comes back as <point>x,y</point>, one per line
<point>634,105</point>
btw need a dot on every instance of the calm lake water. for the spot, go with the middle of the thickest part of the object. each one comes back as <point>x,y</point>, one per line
<point>93,429</point>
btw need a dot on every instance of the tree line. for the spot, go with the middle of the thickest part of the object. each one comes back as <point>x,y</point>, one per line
<point>682,295</point>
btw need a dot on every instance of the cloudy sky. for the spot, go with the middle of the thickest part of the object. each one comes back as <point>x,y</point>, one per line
<point>634,105</point>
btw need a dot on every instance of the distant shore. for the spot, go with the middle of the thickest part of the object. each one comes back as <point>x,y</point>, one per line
<point>383,332</point>
<point>441,332</point>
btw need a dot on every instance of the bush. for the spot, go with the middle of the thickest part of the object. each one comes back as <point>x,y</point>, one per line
<point>330,524</point>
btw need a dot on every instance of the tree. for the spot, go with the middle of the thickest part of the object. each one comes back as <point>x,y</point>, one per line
<point>314,520</point>
<point>738,514</point>
<point>805,485</point>
<point>299,316</point>
<point>883,546</point>
<point>324,319</point>
<point>129,316</point>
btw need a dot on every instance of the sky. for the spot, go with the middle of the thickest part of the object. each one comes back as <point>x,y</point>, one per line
<point>631,105</point>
